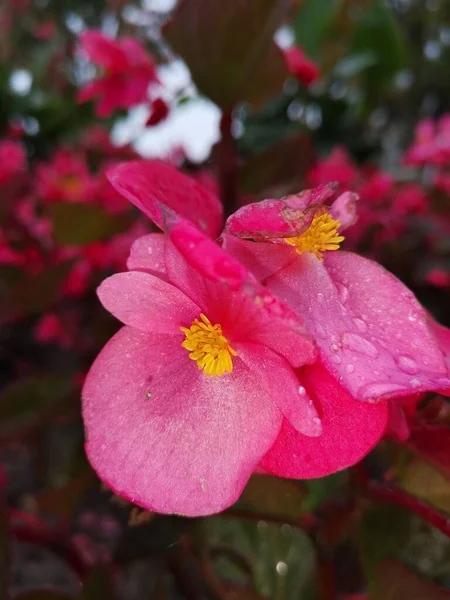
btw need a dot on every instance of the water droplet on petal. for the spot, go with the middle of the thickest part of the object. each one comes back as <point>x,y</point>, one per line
<point>301,391</point>
<point>320,296</point>
<point>343,292</point>
<point>412,318</point>
<point>350,368</point>
<point>415,382</point>
<point>360,324</point>
<point>407,364</point>
<point>359,344</point>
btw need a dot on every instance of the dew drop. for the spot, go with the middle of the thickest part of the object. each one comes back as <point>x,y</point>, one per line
<point>415,382</point>
<point>359,344</point>
<point>301,391</point>
<point>412,318</point>
<point>360,324</point>
<point>320,297</point>
<point>282,568</point>
<point>350,368</point>
<point>407,364</point>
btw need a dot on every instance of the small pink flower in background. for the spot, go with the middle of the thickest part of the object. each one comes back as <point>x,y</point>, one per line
<point>13,160</point>
<point>128,71</point>
<point>372,333</point>
<point>300,66</point>
<point>49,329</point>
<point>438,277</point>
<point>409,199</point>
<point>338,167</point>
<point>65,178</point>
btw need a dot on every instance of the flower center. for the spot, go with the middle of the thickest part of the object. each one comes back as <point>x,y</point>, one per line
<point>321,235</point>
<point>208,347</point>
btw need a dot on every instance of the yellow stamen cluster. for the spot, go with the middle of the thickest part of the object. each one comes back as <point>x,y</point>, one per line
<point>321,235</point>
<point>208,347</point>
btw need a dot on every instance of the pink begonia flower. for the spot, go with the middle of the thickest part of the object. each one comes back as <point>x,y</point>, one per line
<point>300,66</point>
<point>151,185</point>
<point>207,275</point>
<point>338,167</point>
<point>372,333</point>
<point>182,404</point>
<point>65,178</point>
<point>128,71</point>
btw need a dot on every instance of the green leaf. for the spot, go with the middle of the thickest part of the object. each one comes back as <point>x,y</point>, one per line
<point>394,581</point>
<point>63,502</point>
<point>80,224</point>
<point>423,481</point>
<point>384,532</point>
<point>312,24</point>
<point>320,490</point>
<point>353,65</point>
<point>98,585</point>
<point>379,34</point>
<point>283,558</point>
<point>272,495</point>
<point>37,293</point>
<point>229,48</point>
<point>24,403</point>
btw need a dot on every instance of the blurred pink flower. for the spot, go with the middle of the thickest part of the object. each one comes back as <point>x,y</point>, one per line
<point>338,167</point>
<point>127,72</point>
<point>300,66</point>
<point>65,178</point>
<point>13,160</point>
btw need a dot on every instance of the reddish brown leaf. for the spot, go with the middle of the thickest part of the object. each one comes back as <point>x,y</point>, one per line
<point>229,48</point>
<point>394,581</point>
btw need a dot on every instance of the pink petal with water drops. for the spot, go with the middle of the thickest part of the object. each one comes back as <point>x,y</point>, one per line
<point>190,446</point>
<point>370,329</point>
<point>350,430</point>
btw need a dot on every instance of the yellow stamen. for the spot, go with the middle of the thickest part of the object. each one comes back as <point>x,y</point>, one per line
<point>208,347</point>
<point>321,235</point>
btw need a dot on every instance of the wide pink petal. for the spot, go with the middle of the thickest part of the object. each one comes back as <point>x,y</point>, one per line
<point>279,380</point>
<point>167,437</point>
<point>350,429</point>
<point>147,254</point>
<point>151,185</point>
<point>147,303</point>
<point>370,329</point>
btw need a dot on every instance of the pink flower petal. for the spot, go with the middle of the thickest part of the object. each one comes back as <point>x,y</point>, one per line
<point>165,436</point>
<point>371,331</point>
<point>147,303</point>
<point>279,380</point>
<point>103,50</point>
<point>277,219</point>
<point>344,210</point>
<point>147,254</point>
<point>350,430</point>
<point>151,185</point>
<point>263,260</point>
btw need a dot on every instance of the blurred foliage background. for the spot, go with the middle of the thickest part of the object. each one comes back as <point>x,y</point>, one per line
<point>382,69</point>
